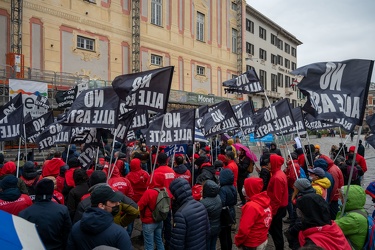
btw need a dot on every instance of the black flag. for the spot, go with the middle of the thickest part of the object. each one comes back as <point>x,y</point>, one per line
<point>274,119</point>
<point>94,108</point>
<point>87,156</point>
<point>298,121</point>
<point>125,122</point>
<point>244,113</point>
<point>337,90</point>
<point>11,106</point>
<point>246,83</point>
<point>220,118</point>
<point>370,120</point>
<point>50,135</point>
<point>145,90</point>
<point>36,126</point>
<point>42,101</point>
<point>199,113</point>
<point>176,127</point>
<point>313,124</point>
<point>66,98</point>
<point>10,125</point>
<point>371,140</point>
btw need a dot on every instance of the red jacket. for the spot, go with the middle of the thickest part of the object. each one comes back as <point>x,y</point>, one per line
<point>290,174</point>
<point>359,159</point>
<point>60,183</point>
<point>163,175</point>
<point>120,183</point>
<point>52,167</point>
<point>69,177</point>
<point>8,168</point>
<point>301,160</point>
<point>232,165</point>
<point>59,196</point>
<point>329,237</point>
<point>277,188</point>
<point>186,176</point>
<point>256,215</point>
<point>138,179</point>
<point>14,207</point>
<point>337,177</point>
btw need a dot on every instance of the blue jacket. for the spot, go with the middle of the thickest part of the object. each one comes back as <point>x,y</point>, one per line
<point>228,193</point>
<point>96,228</point>
<point>52,222</point>
<point>212,202</point>
<point>191,226</point>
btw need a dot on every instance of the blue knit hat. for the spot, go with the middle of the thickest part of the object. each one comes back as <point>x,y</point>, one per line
<point>321,163</point>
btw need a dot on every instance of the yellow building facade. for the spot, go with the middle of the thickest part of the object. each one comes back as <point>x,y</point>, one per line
<point>97,38</point>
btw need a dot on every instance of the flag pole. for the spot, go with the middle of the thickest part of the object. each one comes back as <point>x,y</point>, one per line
<point>351,173</point>
<point>192,165</point>
<point>18,157</point>
<point>110,170</point>
<point>97,156</point>
<point>24,131</point>
<point>342,148</point>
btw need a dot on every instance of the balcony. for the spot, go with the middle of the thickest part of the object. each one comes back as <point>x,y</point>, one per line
<point>289,91</point>
<point>269,93</point>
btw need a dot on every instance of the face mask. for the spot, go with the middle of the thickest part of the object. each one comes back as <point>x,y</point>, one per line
<point>115,210</point>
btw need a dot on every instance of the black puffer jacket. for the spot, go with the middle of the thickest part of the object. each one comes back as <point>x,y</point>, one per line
<point>211,200</point>
<point>191,225</point>
<point>180,169</point>
<point>207,172</point>
<point>228,193</point>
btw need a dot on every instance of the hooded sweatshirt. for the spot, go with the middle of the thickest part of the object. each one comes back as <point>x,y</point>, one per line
<point>211,200</point>
<point>321,185</point>
<point>182,172</point>
<point>278,186</point>
<point>338,178</point>
<point>120,183</point>
<point>138,179</point>
<point>353,224</point>
<point>256,215</point>
<point>96,228</point>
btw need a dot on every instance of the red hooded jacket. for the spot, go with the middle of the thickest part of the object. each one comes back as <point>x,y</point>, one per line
<point>52,167</point>
<point>15,207</point>
<point>337,177</point>
<point>9,168</point>
<point>138,179</point>
<point>329,237</point>
<point>359,159</point>
<point>232,165</point>
<point>277,188</point>
<point>256,215</point>
<point>290,174</point>
<point>120,183</point>
<point>165,175</point>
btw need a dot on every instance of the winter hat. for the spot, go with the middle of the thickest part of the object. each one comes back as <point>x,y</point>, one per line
<point>317,147</point>
<point>302,184</point>
<point>321,163</point>
<point>74,162</point>
<point>44,187</point>
<point>201,160</point>
<point>96,177</point>
<point>218,164</point>
<point>294,155</point>
<point>318,171</point>
<point>102,194</point>
<point>9,181</point>
<point>29,167</point>
<point>352,149</point>
<point>339,160</point>
<point>222,158</point>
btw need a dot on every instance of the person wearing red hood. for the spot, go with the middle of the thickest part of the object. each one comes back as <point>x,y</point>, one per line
<point>11,199</point>
<point>359,159</point>
<point>163,172</point>
<point>256,216</point>
<point>120,183</point>
<point>52,167</point>
<point>277,190</point>
<point>138,179</point>
<point>232,165</point>
<point>10,168</point>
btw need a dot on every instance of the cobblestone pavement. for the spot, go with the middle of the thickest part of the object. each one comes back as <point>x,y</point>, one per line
<point>325,146</point>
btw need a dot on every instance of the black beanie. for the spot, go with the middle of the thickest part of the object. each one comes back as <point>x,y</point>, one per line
<point>74,162</point>
<point>29,167</point>
<point>96,177</point>
<point>44,187</point>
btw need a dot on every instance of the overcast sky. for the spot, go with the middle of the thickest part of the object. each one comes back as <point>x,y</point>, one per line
<point>330,30</point>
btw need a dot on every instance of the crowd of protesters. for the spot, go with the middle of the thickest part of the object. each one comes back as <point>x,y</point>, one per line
<point>78,208</point>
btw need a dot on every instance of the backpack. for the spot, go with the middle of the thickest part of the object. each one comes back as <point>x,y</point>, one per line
<point>163,204</point>
<point>355,172</point>
<point>370,238</point>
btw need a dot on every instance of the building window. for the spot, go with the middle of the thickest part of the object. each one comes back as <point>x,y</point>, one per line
<point>287,63</point>
<point>280,60</point>
<point>234,40</point>
<point>249,48</point>
<point>273,39</point>
<point>234,6</point>
<point>294,52</point>
<point>262,33</point>
<point>280,80</point>
<point>294,104</point>
<point>280,44</point>
<point>273,59</point>
<point>156,60</point>
<point>273,82</point>
<point>248,67</point>
<point>263,54</point>
<point>287,48</point>
<point>85,43</point>
<point>287,81</point>
<point>156,10</point>
<point>201,70</point>
<point>200,26</point>
<point>263,78</point>
<point>250,26</point>
<point>294,65</point>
